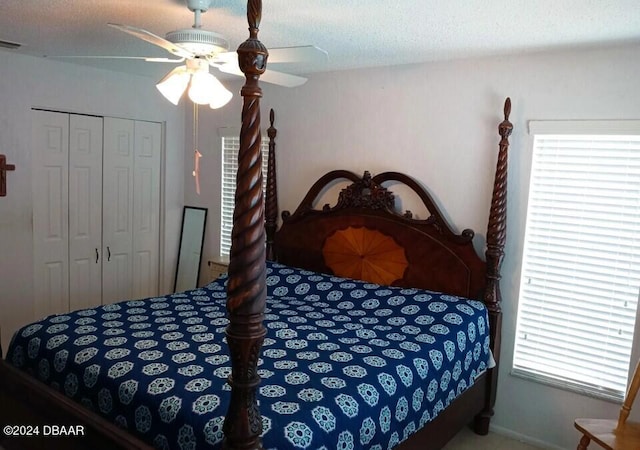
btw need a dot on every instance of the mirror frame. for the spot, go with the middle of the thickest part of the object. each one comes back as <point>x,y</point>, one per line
<point>185,210</point>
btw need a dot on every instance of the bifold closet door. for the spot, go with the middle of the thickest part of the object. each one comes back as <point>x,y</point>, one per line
<point>67,160</point>
<point>146,208</point>
<point>117,204</point>
<point>131,209</point>
<point>85,211</point>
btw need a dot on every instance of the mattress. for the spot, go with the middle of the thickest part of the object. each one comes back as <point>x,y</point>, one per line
<point>345,364</point>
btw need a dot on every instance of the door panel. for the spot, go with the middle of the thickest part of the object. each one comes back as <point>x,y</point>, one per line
<point>146,215</point>
<point>50,140</point>
<point>117,223</point>
<point>85,211</point>
<point>120,265</point>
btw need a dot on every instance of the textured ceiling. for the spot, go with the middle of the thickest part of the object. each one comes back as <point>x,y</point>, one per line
<point>355,33</point>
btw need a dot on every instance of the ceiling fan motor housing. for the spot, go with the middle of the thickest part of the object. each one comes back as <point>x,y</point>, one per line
<point>198,5</point>
<point>199,42</point>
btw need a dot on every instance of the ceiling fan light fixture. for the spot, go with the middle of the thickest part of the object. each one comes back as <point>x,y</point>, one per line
<point>221,98</point>
<point>173,85</point>
<point>202,87</point>
<point>200,91</point>
<point>207,89</point>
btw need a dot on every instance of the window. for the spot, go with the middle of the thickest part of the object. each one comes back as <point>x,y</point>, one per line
<point>230,147</point>
<point>581,263</point>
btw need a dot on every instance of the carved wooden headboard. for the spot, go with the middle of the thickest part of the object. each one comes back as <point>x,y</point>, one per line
<point>364,237</point>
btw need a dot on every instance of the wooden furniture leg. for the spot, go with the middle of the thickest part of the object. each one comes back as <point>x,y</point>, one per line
<point>584,443</point>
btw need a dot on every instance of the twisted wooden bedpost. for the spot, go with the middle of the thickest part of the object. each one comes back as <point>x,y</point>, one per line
<point>271,202</point>
<point>246,289</point>
<point>496,235</point>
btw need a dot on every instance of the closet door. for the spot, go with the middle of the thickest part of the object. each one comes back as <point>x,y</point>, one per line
<point>96,210</point>
<point>131,209</point>
<point>85,211</point>
<point>50,141</point>
<point>117,204</point>
<point>67,211</point>
<point>146,208</point>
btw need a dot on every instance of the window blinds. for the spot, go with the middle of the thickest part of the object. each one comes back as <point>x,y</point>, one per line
<point>230,148</point>
<point>581,264</point>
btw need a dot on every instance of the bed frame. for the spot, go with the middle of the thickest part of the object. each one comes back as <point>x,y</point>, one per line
<point>366,203</point>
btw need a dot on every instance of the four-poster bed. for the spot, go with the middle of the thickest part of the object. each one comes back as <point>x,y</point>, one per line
<point>373,323</point>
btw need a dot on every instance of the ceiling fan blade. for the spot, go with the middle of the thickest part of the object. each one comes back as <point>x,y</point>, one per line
<point>230,67</point>
<point>165,60</point>
<point>300,54</point>
<point>224,58</point>
<point>282,79</point>
<point>153,39</point>
<point>269,76</point>
<point>304,53</point>
<point>142,58</point>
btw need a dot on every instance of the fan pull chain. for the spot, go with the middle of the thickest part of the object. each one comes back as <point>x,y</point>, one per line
<point>196,154</point>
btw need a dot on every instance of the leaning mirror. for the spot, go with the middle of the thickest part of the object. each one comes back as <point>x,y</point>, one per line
<point>190,252</point>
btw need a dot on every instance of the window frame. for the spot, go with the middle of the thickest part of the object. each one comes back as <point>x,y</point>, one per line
<point>571,128</point>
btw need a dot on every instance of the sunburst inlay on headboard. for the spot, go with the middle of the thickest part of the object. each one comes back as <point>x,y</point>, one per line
<point>364,254</point>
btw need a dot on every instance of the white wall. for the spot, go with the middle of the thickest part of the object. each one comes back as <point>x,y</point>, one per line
<point>27,82</point>
<point>438,122</point>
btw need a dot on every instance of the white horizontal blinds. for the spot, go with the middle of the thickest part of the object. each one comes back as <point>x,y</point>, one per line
<point>230,148</point>
<point>581,265</point>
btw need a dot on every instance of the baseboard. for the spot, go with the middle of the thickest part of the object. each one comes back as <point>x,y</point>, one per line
<point>526,439</point>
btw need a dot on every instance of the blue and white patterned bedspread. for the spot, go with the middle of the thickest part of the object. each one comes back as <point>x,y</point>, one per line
<point>345,365</point>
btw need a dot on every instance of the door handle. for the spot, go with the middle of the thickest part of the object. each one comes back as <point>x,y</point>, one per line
<point>108,254</point>
<point>97,256</point>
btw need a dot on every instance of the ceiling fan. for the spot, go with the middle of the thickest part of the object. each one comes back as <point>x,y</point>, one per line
<point>201,49</point>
